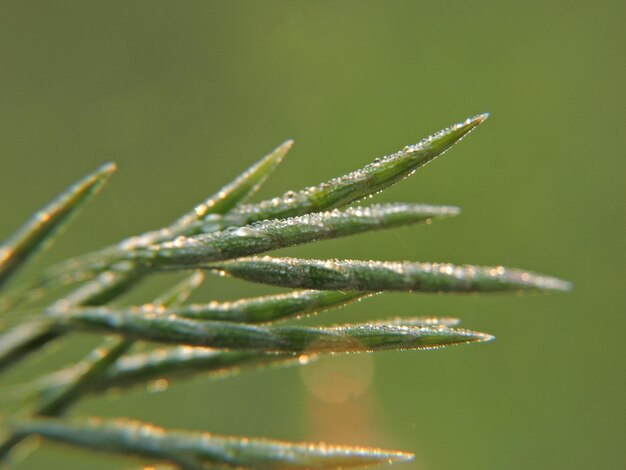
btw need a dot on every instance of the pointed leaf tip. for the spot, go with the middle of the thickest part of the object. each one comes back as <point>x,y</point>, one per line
<point>237,191</point>
<point>38,232</point>
<point>285,146</point>
<point>483,337</point>
<point>107,168</point>
<point>437,144</point>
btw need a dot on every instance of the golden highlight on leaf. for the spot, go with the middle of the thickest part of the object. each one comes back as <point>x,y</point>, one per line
<point>146,440</point>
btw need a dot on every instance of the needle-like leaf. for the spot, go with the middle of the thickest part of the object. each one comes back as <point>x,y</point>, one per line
<point>375,177</point>
<point>168,362</point>
<point>141,439</point>
<point>270,308</point>
<point>88,371</point>
<point>187,361</point>
<point>273,234</point>
<point>262,309</point>
<point>106,287</point>
<point>386,276</point>
<point>227,335</point>
<point>179,294</point>
<point>197,250</point>
<point>24,338</point>
<point>238,191</point>
<point>39,231</point>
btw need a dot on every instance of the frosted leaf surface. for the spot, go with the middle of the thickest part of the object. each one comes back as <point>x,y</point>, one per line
<point>387,276</point>
<point>272,234</point>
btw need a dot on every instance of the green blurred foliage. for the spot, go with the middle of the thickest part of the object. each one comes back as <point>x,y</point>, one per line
<point>185,95</point>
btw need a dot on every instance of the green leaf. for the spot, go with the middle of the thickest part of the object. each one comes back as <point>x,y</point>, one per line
<point>386,276</point>
<point>179,293</point>
<point>240,189</point>
<point>186,361</point>
<point>270,308</point>
<point>145,440</point>
<point>168,362</point>
<point>39,231</point>
<point>269,338</point>
<point>86,372</point>
<point>273,234</point>
<point>196,251</point>
<point>106,287</point>
<point>262,309</point>
<point>23,339</point>
<point>375,177</point>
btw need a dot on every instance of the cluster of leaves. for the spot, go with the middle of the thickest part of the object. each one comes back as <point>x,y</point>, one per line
<point>222,236</point>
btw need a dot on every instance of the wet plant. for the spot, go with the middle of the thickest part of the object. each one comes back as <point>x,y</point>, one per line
<point>224,235</point>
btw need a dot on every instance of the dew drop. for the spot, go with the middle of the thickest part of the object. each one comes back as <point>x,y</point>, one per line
<point>158,385</point>
<point>244,232</point>
<point>200,210</point>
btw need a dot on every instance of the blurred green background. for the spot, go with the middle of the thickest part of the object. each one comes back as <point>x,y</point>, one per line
<point>185,95</point>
